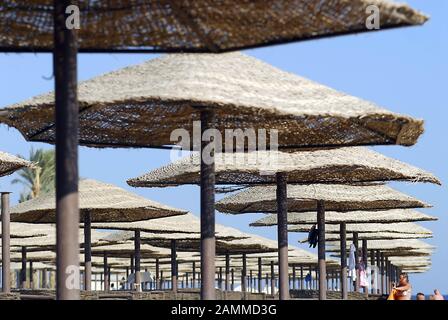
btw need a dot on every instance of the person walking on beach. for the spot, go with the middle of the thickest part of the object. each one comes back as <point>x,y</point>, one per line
<point>404,289</point>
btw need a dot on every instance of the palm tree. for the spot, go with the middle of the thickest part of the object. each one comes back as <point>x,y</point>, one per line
<point>38,180</point>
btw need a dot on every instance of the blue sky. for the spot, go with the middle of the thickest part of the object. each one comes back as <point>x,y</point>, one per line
<point>403,70</point>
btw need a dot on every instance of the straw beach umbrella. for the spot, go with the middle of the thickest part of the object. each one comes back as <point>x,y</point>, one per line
<point>305,197</point>
<point>99,202</point>
<point>177,27</point>
<point>192,26</point>
<point>382,235</point>
<point>29,230</point>
<point>8,165</point>
<point>334,217</point>
<point>350,164</point>
<point>404,228</point>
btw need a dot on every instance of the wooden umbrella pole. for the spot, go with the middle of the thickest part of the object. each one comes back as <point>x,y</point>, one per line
<point>244,275</point>
<point>208,241</point>
<point>232,286</point>
<point>343,245</point>
<point>31,276</point>
<point>260,274</point>
<point>365,262</point>
<point>174,284</point>
<point>301,277</point>
<point>87,251</point>
<point>137,244</point>
<point>294,277</point>
<point>66,115</point>
<point>6,255</point>
<point>106,272</point>
<point>272,279</point>
<point>378,276</point>
<point>321,250</point>
<point>226,287</point>
<point>355,242</point>
<point>194,275</point>
<point>157,274</point>
<point>282,235</point>
<point>372,272</point>
<point>383,289</point>
<point>23,270</point>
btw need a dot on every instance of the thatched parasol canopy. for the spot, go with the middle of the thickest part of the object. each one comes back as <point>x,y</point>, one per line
<point>415,270</point>
<point>194,26</point>
<point>48,242</point>
<point>127,249</point>
<point>421,253</point>
<point>393,246</point>
<point>332,217</point>
<point>341,165</point>
<point>36,266</point>
<point>9,164</point>
<point>125,108</point>
<point>228,240</point>
<point>162,239</point>
<point>305,197</point>
<point>383,235</point>
<point>38,256</point>
<point>105,202</point>
<point>28,230</point>
<point>403,227</point>
<point>186,223</point>
<point>410,261</point>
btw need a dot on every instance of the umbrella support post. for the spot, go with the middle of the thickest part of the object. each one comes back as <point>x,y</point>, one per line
<point>157,274</point>
<point>343,246</point>
<point>355,242</point>
<point>138,279</point>
<point>294,277</point>
<point>272,279</point>
<point>208,241</point>
<point>174,284</point>
<point>6,255</point>
<point>260,274</point>
<point>244,275</point>
<point>226,287</point>
<point>372,272</point>
<point>383,291</point>
<point>282,235</point>
<point>87,251</point>
<point>23,270</point>
<point>66,115</point>
<point>105,273</point>
<point>232,285</point>
<point>301,278</point>
<point>365,262</point>
<point>379,289</point>
<point>386,275</point>
<point>31,276</point>
<point>193,283</point>
<point>321,250</point>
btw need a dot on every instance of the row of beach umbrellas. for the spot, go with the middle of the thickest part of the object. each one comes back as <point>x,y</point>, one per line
<point>98,198</point>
